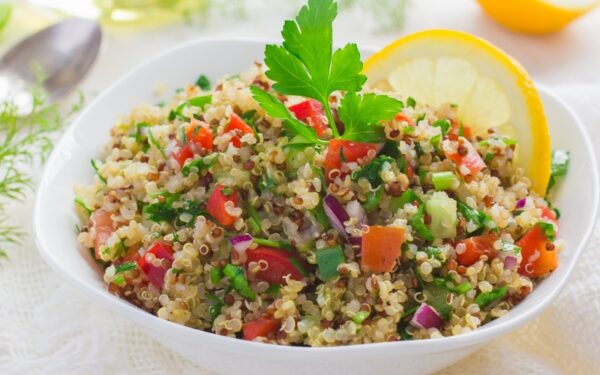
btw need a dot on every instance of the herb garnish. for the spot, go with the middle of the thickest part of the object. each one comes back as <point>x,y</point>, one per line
<point>559,167</point>
<point>306,65</point>
<point>372,171</point>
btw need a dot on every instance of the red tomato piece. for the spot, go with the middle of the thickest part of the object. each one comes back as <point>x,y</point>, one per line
<point>239,127</point>
<point>352,151</point>
<point>549,214</point>
<point>184,153</point>
<point>280,264</point>
<point>475,247</point>
<point>381,248</point>
<point>402,117</point>
<point>470,158</point>
<point>311,111</point>
<point>260,327</point>
<point>156,274</point>
<point>103,226</point>
<point>216,204</point>
<point>537,259</point>
<point>199,135</point>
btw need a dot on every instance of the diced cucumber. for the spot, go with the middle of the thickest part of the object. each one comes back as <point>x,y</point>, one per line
<point>442,210</point>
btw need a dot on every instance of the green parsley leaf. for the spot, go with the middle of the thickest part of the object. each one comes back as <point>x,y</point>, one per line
<point>305,65</point>
<point>443,124</point>
<point>361,115</point>
<point>479,218</point>
<point>277,109</point>
<point>199,101</point>
<point>203,82</point>
<point>372,170</point>
<point>198,165</point>
<point>411,102</point>
<point>418,224</point>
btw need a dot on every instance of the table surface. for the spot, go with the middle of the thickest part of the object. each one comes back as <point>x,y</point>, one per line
<point>50,328</point>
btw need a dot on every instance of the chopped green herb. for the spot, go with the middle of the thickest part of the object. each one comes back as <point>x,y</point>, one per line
<point>437,297</point>
<point>443,124</point>
<point>281,244</point>
<point>548,229</point>
<point>125,267</point>
<point>320,216</point>
<point>372,171</point>
<point>203,82</point>
<point>97,170</point>
<point>216,275</point>
<point>485,299</point>
<point>155,143</point>
<point>216,305</point>
<point>409,196</point>
<point>266,183</point>
<point>119,280</point>
<point>80,203</point>
<point>373,200</point>
<point>273,290</point>
<point>253,219</point>
<point>479,218</point>
<point>198,165</point>
<point>489,156</point>
<point>328,260</point>
<point>199,102</point>
<point>411,102</point>
<point>510,247</point>
<point>239,282</point>
<point>418,224</point>
<point>163,211</point>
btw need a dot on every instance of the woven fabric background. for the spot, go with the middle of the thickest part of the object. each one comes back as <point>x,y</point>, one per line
<point>48,327</point>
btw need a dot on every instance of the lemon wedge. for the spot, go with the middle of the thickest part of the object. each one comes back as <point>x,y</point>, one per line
<point>536,16</point>
<point>490,88</point>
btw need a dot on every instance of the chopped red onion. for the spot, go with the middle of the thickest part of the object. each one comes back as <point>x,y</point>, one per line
<point>426,317</point>
<point>510,262</point>
<point>521,202</point>
<point>355,209</point>
<point>355,241</point>
<point>241,242</point>
<point>336,213</point>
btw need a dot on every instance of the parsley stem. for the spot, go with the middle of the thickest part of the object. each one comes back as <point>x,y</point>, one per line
<point>330,119</point>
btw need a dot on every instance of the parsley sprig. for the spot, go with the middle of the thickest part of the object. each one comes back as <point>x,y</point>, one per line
<point>307,65</point>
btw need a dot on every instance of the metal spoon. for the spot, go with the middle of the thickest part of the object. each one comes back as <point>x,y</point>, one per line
<point>64,53</point>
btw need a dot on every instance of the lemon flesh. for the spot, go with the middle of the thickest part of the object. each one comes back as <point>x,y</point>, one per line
<point>490,88</point>
<point>536,16</point>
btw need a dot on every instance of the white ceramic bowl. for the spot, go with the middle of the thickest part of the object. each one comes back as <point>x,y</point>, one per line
<point>69,165</point>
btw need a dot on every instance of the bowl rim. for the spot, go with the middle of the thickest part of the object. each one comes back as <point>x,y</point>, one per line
<point>188,334</point>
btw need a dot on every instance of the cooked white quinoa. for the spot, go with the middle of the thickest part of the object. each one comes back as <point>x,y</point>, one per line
<point>286,186</point>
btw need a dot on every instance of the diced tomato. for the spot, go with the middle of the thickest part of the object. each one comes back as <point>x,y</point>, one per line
<point>402,117</point>
<point>352,151</point>
<point>381,248</point>
<point>537,259</point>
<point>199,135</point>
<point>216,204</point>
<point>237,125</point>
<point>466,130</point>
<point>470,158</point>
<point>311,112</point>
<point>280,264</point>
<point>260,327</point>
<point>156,274</point>
<point>184,153</point>
<point>475,247</point>
<point>549,214</point>
<point>103,227</point>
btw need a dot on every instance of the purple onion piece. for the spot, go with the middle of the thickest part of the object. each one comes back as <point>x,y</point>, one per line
<point>511,262</point>
<point>241,242</point>
<point>521,202</point>
<point>426,317</point>
<point>355,209</point>
<point>355,241</point>
<point>336,213</point>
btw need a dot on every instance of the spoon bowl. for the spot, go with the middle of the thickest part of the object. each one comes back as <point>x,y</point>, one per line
<point>62,53</point>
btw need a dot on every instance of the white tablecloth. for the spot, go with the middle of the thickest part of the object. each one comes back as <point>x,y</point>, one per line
<point>48,326</point>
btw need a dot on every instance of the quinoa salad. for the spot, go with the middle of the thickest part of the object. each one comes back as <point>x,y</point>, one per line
<point>256,209</point>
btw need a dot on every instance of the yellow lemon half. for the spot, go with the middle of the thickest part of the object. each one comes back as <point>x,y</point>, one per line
<point>489,87</point>
<point>536,16</point>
